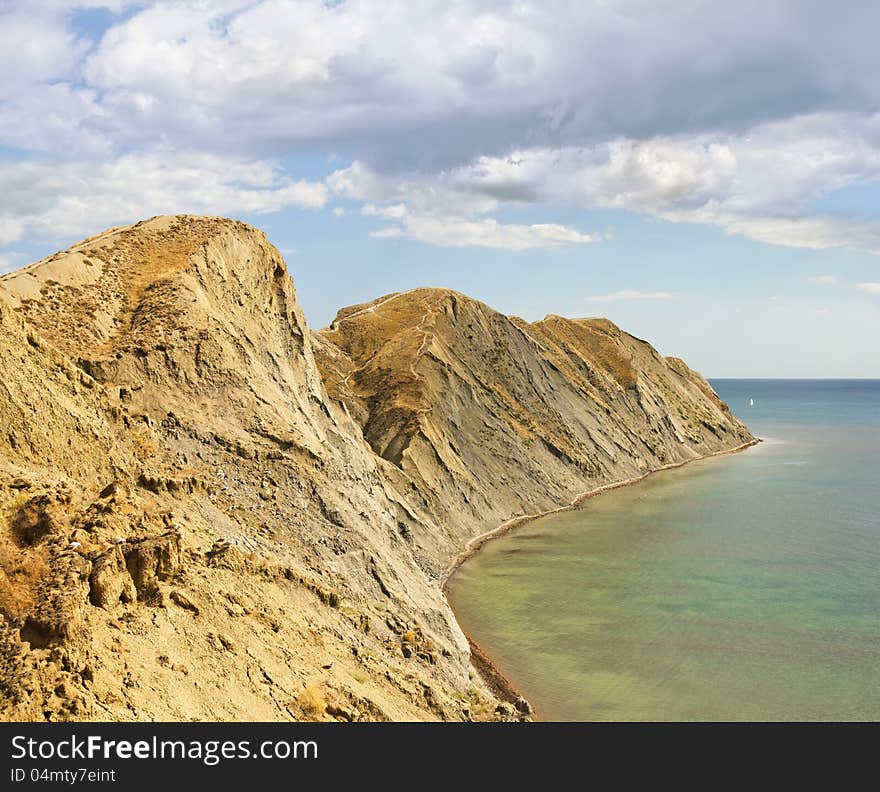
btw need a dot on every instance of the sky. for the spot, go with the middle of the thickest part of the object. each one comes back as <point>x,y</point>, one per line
<point>705,174</point>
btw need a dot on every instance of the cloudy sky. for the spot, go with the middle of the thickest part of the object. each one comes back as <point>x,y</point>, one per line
<point>705,173</point>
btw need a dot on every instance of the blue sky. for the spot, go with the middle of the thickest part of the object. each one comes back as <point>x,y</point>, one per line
<point>708,177</point>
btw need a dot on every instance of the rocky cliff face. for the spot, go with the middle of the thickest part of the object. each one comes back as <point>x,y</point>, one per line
<point>209,512</point>
<point>487,417</point>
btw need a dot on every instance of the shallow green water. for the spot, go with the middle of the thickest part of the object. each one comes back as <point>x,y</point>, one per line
<point>741,587</point>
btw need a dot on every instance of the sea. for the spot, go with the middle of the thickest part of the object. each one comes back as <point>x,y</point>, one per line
<point>738,588</point>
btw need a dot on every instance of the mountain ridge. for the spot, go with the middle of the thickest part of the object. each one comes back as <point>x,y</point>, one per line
<point>208,510</point>
<point>577,403</point>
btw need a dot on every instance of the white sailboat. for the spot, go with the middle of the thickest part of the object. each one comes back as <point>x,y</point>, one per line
<point>751,402</point>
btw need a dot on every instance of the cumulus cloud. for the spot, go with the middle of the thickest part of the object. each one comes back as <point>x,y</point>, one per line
<point>475,76</point>
<point>56,200</point>
<point>631,294</point>
<point>738,116</point>
<point>758,183</point>
<point>426,82</point>
<point>434,209</point>
<point>44,104</point>
<point>38,47</point>
<point>414,192</point>
<point>393,212</point>
<point>485,232</point>
<point>815,233</point>
<point>870,287</point>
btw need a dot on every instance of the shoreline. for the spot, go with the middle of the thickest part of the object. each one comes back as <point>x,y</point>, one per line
<point>488,670</point>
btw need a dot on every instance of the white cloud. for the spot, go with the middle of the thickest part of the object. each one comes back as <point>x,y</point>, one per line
<point>870,287</point>
<point>815,233</point>
<point>435,209</point>
<point>738,116</point>
<point>759,183</point>
<point>425,81</point>
<point>393,212</point>
<point>823,280</point>
<point>43,106</point>
<point>415,192</point>
<point>488,232</point>
<point>312,70</point>
<point>57,200</point>
<point>67,6</point>
<point>37,47</point>
<point>474,76</point>
<point>392,232</point>
<point>630,294</point>
<point>484,232</point>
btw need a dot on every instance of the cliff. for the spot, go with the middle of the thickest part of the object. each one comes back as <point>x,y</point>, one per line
<point>486,417</point>
<point>209,512</point>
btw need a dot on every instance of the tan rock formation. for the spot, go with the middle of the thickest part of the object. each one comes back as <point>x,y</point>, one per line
<point>208,512</point>
<point>487,416</point>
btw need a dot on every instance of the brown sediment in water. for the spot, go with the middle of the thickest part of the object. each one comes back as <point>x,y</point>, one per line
<point>488,669</point>
<point>499,684</point>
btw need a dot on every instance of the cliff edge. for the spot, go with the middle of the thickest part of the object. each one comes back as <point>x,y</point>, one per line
<point>208,511</point>
<point>486,417</point>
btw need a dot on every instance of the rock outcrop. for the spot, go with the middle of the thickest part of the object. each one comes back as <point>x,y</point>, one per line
<point>486,417</point>
<point>207,511</point>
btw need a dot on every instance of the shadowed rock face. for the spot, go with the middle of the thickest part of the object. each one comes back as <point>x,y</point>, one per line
<point>208,512</point>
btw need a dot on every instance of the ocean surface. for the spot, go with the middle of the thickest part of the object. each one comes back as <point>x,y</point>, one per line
<point>744,587</point>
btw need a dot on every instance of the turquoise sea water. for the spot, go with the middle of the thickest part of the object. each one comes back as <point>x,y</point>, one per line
<point>744,587</point>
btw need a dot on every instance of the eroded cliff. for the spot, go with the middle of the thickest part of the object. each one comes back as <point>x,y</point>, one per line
<point>487,417</point>
<point>209,512</point>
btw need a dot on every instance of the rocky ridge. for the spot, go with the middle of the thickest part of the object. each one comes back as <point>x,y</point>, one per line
<point>486,417</point>
<point>208,511</point>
